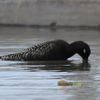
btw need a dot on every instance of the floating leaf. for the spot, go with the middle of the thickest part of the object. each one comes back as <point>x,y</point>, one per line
<point>76,83</point>
<point>64,83</point>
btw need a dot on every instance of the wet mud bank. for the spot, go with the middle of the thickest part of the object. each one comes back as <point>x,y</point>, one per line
<point>43,12</point>
<point>52,26</point>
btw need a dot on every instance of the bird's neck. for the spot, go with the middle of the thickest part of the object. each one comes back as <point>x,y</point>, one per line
<point>72,49</point>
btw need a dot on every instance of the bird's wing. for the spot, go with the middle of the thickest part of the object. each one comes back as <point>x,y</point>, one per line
<point>43,51</point>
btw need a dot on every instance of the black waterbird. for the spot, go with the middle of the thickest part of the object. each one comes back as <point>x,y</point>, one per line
<point>51,51</point>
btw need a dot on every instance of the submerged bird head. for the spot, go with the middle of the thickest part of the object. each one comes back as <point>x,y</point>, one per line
<point>84,50</point>
<point>81,48</point>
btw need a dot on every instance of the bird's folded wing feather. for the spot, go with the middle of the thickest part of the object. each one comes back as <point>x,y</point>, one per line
<point>43,51</point>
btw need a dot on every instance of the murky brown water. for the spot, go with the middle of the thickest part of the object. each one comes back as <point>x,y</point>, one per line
<point>38,80</point>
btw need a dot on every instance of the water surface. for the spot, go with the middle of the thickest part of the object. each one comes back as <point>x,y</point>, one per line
<point>38,80</point>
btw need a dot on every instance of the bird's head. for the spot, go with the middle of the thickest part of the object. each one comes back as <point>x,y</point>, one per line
<point>84,51</point>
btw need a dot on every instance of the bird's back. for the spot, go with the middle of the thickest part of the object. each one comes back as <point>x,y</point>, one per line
<point>52,50</point>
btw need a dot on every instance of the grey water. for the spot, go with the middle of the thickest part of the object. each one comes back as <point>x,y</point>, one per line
<point>21,80</point>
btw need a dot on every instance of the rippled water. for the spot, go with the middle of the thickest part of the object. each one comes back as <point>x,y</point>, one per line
<point>38,80</point>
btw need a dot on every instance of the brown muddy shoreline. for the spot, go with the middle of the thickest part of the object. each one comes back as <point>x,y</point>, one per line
<point>51,26</point>
<point>40,13</point>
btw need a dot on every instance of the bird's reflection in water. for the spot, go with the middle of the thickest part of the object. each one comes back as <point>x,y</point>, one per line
<point>61,66</point>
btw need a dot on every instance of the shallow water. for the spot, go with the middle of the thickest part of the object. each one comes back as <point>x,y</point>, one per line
<point>38,80</point>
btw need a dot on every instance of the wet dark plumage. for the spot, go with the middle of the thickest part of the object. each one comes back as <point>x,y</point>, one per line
<point>51,50</point>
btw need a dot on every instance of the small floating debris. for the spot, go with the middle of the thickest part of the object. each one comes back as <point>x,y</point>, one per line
<point>64,83</point>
